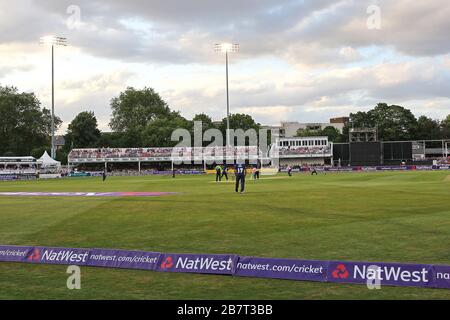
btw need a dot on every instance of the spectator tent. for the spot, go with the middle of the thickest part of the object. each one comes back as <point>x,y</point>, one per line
<point>47,162</point>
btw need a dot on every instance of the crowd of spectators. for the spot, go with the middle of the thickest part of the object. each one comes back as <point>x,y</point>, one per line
<point>307,151</point>
<point>109,153</point>
<point>135,172</point>
<point>18,171</point>
<point>308,166</point>
<point>444,161</point>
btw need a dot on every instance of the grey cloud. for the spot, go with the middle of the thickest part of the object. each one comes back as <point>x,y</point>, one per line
<point>6,70</point>
<point>253,22</point>
<point>358,90</point>
<point>310,33</point>
<point>95,95</point>
<point>302,31</point>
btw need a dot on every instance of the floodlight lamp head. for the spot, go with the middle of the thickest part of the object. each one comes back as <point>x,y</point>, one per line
<point>54,41</point>
<point>226,47</point>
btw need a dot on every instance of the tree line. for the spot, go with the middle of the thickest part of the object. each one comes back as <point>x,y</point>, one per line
<point>393,123</point>
<point>139,118</point>
<point>143,118</point>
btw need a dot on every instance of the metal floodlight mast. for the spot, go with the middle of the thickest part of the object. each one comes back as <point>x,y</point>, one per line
<point>53,41</point>
<point>227,48</point>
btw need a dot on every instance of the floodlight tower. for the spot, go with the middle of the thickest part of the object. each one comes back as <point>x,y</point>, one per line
<point>227,48</point>
<point>53,41</point>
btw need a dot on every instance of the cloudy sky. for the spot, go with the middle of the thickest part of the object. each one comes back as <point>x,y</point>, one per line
<point>299,60</point>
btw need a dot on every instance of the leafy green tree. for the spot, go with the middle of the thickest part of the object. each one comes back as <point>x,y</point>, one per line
<point>393,122</point>
<point>447,120</point>
<point>239,121</point>
<point>307,133</point>
<point>110,140</point>
<point>24,126</point>
<point>83,131</point>
<point>137,115</point>
<point>135,109</point>
<point>361,119</point>
<point>158,132</point>
<point>332,133</point>
<point>428,129</point>
<point>345,133</point>
<point>207,124</point>
<point>206,120</point>
<point>445,128</point>
<point>39,151</point>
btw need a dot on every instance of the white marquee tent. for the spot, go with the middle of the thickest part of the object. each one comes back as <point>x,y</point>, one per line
<point>47,162</point>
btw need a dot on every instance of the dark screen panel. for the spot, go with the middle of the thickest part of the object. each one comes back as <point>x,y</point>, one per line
<point>397,151</point>
<point>341,151</point>
<point>365,154</point>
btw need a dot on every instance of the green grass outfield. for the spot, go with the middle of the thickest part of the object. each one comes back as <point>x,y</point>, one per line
<point>379,217</point>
